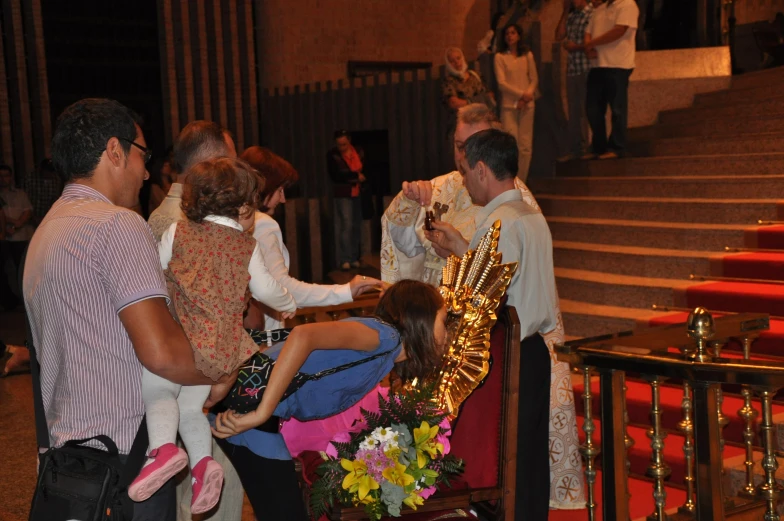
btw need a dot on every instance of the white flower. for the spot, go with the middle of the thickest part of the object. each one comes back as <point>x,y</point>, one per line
<point>368,443</point>
<point>383,434</point>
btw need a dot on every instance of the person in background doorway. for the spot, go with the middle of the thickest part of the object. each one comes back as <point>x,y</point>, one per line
<point>345,163</point>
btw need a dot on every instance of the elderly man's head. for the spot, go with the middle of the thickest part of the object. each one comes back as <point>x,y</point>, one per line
<point>455,62</point>
<point>201,140</point>
<point>471,119</point>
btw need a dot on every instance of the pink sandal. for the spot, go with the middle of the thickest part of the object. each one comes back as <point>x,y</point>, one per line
<point>207,483</point>
<point>168,460</point>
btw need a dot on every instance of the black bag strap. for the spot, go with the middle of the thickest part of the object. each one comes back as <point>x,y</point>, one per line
<point>328,372</point>
<point>136,456</point>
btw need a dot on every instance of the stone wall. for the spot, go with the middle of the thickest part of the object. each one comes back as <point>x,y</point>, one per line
<point>306,41</point>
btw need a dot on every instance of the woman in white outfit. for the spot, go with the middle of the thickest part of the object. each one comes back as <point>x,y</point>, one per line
<point>278,174</point>
<point>515,71</point>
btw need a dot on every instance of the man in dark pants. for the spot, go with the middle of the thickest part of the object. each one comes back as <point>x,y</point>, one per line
<point>489,168</point>
<point>610,40</point>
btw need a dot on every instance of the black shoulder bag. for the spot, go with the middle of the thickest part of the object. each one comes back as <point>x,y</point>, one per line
<point>79,482</point>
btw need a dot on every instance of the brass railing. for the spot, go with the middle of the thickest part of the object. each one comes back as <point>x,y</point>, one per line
<point>701,370</point>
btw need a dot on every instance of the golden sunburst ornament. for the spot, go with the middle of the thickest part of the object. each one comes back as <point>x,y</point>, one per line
<point>472,288</point>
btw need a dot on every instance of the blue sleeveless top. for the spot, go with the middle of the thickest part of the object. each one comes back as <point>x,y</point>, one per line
<point>331,394</point>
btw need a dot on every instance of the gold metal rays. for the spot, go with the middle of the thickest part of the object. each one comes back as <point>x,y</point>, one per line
<point>472,288</point>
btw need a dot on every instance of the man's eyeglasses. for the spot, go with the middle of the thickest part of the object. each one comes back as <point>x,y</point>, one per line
<point>146,151</point>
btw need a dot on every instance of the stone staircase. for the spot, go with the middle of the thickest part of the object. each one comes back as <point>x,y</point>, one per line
<point>626,232</point>
<point>636,232</point>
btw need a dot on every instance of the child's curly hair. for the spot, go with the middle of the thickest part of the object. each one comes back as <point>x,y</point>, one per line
<point>221,186</point>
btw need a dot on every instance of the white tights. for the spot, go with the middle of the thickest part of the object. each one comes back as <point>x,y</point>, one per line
<point>171,408</point>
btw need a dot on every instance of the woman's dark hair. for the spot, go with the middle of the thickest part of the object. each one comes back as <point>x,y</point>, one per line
<point>220,186</point>
<point>342,133</point>
<point>522,48</point>
<point>82,131</point>
<point>411,306</point>
<point>275,171</point>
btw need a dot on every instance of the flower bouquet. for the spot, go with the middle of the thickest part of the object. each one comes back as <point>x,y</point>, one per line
<point>399,458</point>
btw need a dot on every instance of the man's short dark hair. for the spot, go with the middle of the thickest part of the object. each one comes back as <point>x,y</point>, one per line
<point>495,148</point>
<point>82,131</point>
<point>198,141</point>
<point>341,133</point>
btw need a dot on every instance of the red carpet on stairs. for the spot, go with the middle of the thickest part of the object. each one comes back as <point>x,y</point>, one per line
<point>737,297</point>
<point>766,237</point>
<point>640,503</point>
<point>764,266</point>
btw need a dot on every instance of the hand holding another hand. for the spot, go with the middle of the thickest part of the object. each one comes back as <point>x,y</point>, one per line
<point>230,423</point>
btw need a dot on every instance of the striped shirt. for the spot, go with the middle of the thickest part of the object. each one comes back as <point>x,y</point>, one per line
<point>87,261</point>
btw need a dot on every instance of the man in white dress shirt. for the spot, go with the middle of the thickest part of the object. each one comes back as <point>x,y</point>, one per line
<point>489,166</point>
<point>610,34</point>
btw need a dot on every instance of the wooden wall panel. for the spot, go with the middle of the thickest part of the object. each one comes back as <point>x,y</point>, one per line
<point>208,55</point>
<point>25,121</point>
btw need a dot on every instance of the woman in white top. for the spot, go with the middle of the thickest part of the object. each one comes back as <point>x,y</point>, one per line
<point>515,71</point>
<point>278,174</point>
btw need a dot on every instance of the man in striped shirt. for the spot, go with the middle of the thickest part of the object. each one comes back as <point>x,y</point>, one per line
<point>95,293</point>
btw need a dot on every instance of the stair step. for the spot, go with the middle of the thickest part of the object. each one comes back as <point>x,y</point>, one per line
<point>616,290</point>
<point>650,234</point>
<point>695,165</point>
<point>583,319</point>
<point>632,260</point>
<point>702,187</point>
<point>758,78</point>
<point>736,110</point>
<point>727,211</point>
<point>717,144</point>
<point>737,95</point>
<point>771,122</point>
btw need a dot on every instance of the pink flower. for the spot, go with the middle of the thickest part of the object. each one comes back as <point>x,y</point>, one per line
<point>427,492</point>
<point>444,431</point>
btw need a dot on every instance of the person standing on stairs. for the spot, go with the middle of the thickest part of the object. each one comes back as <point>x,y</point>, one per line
<point>407,254</point>
<point>610,37</point>
<point>515,71</point>
<point>489,167</point>
<point>571,29</point>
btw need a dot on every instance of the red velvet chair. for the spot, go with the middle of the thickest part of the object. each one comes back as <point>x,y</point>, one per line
<point>485,436</point>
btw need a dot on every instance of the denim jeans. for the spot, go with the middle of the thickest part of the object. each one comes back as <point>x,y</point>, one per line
<point>608,86</point>
<point>348,228</point>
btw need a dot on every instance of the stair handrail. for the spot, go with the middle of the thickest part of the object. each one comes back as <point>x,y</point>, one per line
<point>694,358</point>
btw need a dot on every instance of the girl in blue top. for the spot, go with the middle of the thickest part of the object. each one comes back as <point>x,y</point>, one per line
<point>320,370</point>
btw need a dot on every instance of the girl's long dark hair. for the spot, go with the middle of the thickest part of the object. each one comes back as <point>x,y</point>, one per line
<point>522,48</point>
<point>411,307</point>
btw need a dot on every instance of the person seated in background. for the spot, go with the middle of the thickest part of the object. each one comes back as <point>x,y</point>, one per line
<point>19,229</point>
<point>278,174</point>
<point>345,164</point>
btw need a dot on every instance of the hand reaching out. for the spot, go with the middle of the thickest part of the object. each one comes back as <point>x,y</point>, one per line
<point>419,191</point>
<point>230,423</point>
<point>361,284</point>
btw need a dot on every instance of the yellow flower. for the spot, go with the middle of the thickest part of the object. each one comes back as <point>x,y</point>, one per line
<point>413,500</point>
<point>358,480</point>
<point>424,442</point>
<point>397,475</point>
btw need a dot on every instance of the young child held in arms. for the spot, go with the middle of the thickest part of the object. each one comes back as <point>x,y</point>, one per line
<point>210,265</point>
